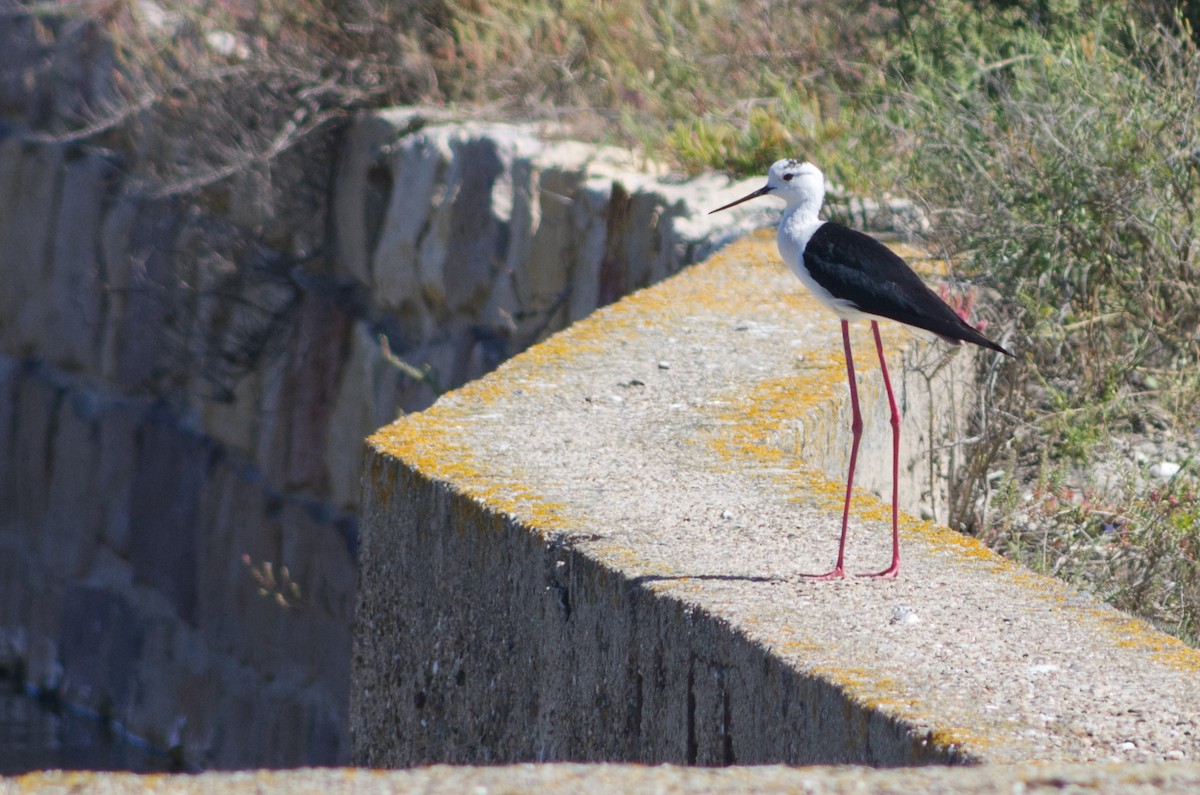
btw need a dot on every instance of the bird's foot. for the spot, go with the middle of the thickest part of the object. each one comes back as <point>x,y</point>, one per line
<point>890,573</point>
<point>838,573</point>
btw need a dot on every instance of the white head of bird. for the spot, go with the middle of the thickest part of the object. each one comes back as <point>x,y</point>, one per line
<point>802,186</point>
<point>799,183</point>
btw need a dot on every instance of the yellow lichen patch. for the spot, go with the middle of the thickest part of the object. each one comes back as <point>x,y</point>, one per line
<point>885,697</point>
<point>964,546</point>
<point>1132,633</point>
<point>873,694</point>
<point>956,737</point>
<point>798,647</point>
<point>434,445</point>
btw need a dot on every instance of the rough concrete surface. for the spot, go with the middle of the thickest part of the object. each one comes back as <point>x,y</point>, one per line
<point>595,553</point>
<point>575,779</point>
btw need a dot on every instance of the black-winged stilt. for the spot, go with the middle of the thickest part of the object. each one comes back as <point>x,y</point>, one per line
<point>858,278</point>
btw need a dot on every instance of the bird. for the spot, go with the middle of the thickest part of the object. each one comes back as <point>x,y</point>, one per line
<point>858,278</point>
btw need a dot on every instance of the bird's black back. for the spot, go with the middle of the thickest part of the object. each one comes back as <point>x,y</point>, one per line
<point>859,269</point>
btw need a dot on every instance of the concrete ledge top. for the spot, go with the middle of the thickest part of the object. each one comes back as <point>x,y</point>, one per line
<point>1162,779</point>
<point>669,437</point>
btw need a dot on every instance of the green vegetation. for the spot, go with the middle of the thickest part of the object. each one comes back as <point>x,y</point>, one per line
<point>1061,165</point>
<point>1053,143</point>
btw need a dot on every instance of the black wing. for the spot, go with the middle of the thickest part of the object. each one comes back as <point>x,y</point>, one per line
<point>858,268</point>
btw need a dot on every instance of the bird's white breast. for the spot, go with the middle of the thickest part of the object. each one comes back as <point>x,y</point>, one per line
<point>792,238</point>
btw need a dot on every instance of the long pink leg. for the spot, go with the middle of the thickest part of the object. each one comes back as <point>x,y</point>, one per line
<point>891,571</point>
<point>856,425</point>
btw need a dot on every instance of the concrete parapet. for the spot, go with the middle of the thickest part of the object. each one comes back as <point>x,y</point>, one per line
<point>577,779</point>
<point>594,553</point>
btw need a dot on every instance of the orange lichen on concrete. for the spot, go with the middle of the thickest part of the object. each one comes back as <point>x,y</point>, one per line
<point>956,738</point>
<point>433,445</point>
<point>1133,633</point>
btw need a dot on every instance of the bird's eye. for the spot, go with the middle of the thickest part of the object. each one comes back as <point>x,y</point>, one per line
<point>788,177</point>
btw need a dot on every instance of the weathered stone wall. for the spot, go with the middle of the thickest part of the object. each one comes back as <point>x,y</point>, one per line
<point>182,406</point>
<point>122,582</point>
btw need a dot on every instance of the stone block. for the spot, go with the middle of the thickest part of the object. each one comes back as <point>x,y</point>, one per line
<point>525,217</point>
<point>480,185</point>
<point>588,556</point>
<point>101,641</point>
<point>365,399</point>
<point>243,534</point>
<point>641,242</point>
<point>18,569</point>
<point>38,402</point>
<point>154,300</point>
<point>418,167</point>
<point>233,495</point>
<point>541,282</point>
<point>362,183</point>
<point>294,427</point>
<point>272,415</point>
<point>245,307</point>
<point>182,667</point>
<point>315,636</point>
<point>12,156</point>
<point>76,296</point>
<point>223,736</point>
<point>171,477</point>
<point>114,475</point>
<point>589,212</point>
<point>544,279</point>
<point>498,320</point>
<point>42,622</point>
<point>468,236</point>
<point>12,372</point>
<point>232,419</point>
<point>75,508</point>
<point>20,582</point>
<point>117,269</point>
<point>615,280</point>
<point>29,204</point>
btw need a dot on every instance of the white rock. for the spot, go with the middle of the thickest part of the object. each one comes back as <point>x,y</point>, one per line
<point>417,165</point>
<point>228,44</point>
<point>1164,470</point>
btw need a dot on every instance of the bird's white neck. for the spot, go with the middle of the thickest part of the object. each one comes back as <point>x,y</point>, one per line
<point>795,228</point>
<point>803,209</point>
<point>800,218</point>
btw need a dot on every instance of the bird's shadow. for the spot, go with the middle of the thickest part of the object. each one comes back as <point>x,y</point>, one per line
<point>648,578</point>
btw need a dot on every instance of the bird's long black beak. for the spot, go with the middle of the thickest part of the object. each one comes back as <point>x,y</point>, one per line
<point>763,191</point>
